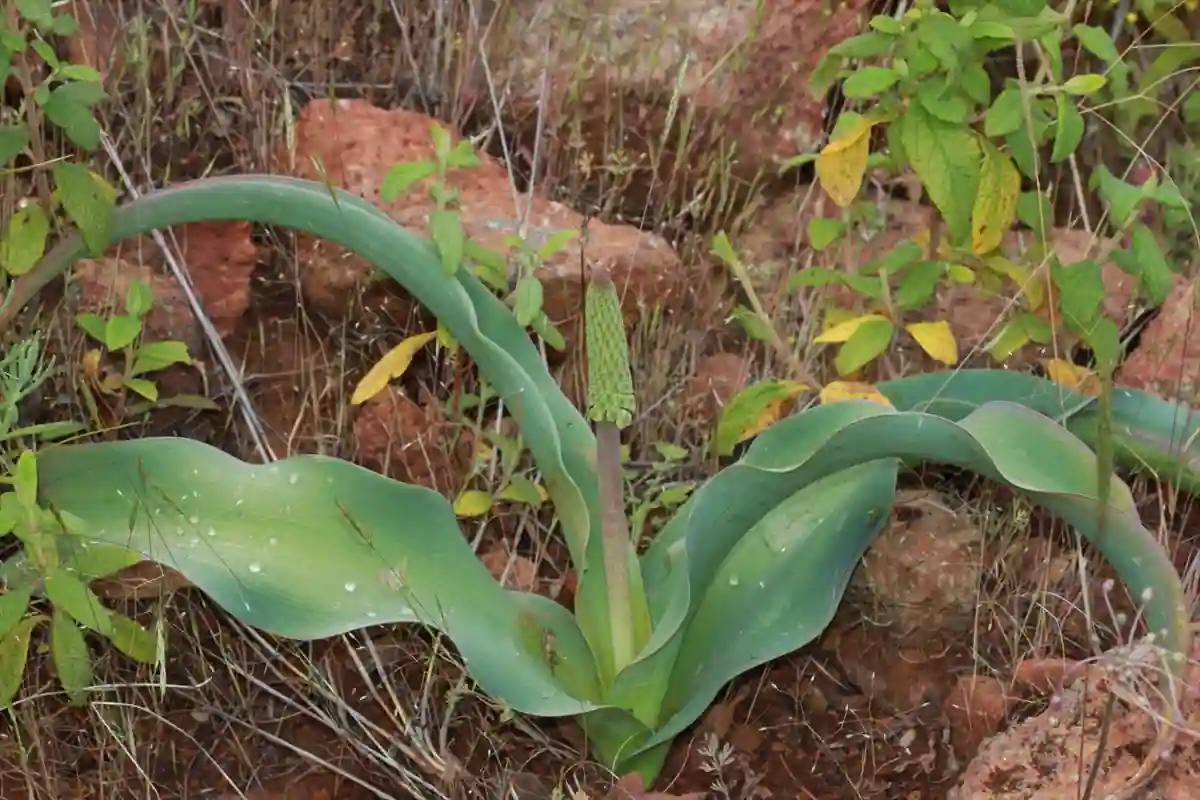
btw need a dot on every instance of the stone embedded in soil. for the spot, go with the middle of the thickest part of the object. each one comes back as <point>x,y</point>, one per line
<point>923,573</point>
<point>1041,757</point>
<point>357,144</point>
<point>220,258</point>
<point>411,442</point>
<point>1167,359</point>
<point>976,709</point>
<point>738,72</point>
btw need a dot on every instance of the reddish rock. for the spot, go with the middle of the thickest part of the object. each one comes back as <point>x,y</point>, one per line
<point>976,709</point>
<point>220,259</point>
<point>1167,360</point>
<point>357,144</point>
<point>717,379</point>
<point>144,580</point>
<point>1048,675</point>
<point>923,573</point>
<point>98,42</point>
<point>412,443</point>
<point>1041,756</point>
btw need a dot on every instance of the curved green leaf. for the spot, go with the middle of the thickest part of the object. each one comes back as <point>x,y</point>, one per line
<point>1000,440</point>
<point>311,547</point>
<point>1150,434</point>
<point>72,660</point>
<point>561,442</point>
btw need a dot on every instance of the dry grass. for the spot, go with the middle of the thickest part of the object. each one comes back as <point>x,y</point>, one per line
<point>390,713</point>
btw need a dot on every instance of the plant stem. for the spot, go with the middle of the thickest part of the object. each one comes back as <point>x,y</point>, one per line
<point>614,530</point>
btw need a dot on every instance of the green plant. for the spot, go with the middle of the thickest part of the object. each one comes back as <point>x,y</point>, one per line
<point>750,567</point>
<point>122,336</point>
<point>978,156</point>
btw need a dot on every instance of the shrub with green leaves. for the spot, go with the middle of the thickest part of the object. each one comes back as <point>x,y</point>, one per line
<point>750,567</point>
<point>977,153</point>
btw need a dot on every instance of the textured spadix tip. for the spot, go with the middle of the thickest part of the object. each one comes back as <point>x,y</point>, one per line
<point>610,383</point>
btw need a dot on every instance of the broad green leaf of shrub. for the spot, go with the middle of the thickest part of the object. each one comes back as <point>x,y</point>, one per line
<point>1121,198</point>
<point>88,201</point>
<point>1084,84</point>
<point>823,232</point>
<point>24,241</point>
<point>120,331</point>
<point>995,205</point>
<point>1081,292</point>
<point>1097,42</point>
<point>306,548</point>
<point>153,356</point>
<point>13,605</point>
<point>1157,277</point>
<point>1006,114</point>
<point>14,654</point>
<point>71,658</point>
<point>869,81</point>
<point>401,177</point>
<point>918,284</point>
<point>869,340</point>
<point>69,106</point>
<point>1068,131</point>
<point>947,160</point>
<point>446,230</point>
<point>13,141</point>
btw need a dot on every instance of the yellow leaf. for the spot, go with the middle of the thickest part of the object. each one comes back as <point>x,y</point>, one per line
<point>473,503</point>
<point>772,410</point>
<point>842,165</point>
<point>936,339</point>
<point>996,201</point>
<point>752,410</point>
<point>837,391</point>
<point>1072,376</point>
<point>519,493</point>
<point>1034,288</point>
<point>390,367</point>
<point>844,330</point>
<point>91,364</point>
<point>834,317</point>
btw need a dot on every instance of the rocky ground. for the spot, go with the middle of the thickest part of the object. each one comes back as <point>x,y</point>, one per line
<point>960,665</point>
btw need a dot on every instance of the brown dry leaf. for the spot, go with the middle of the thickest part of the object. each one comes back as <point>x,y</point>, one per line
<point>143,580</point>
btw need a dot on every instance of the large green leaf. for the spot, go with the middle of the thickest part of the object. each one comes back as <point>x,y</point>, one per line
<point>561,442</point>
<point>1150,434</point>
<point>311,547</point>
<point>1001,440</point>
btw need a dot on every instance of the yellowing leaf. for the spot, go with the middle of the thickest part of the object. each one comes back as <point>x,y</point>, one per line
<point>960,274</point>
<point>935,339</point>
<point>834,317</point>
<point>843,163</point>
<point>752,410</point>
<point>844,330</point>
<point>1072,376</point>
<point>473,503</point>
<point>390,367</point>
<point>91,364</point>
<point>1034,288</point>
<point>996,201</point>
<point>523,490</point>
<point>838,391</point>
